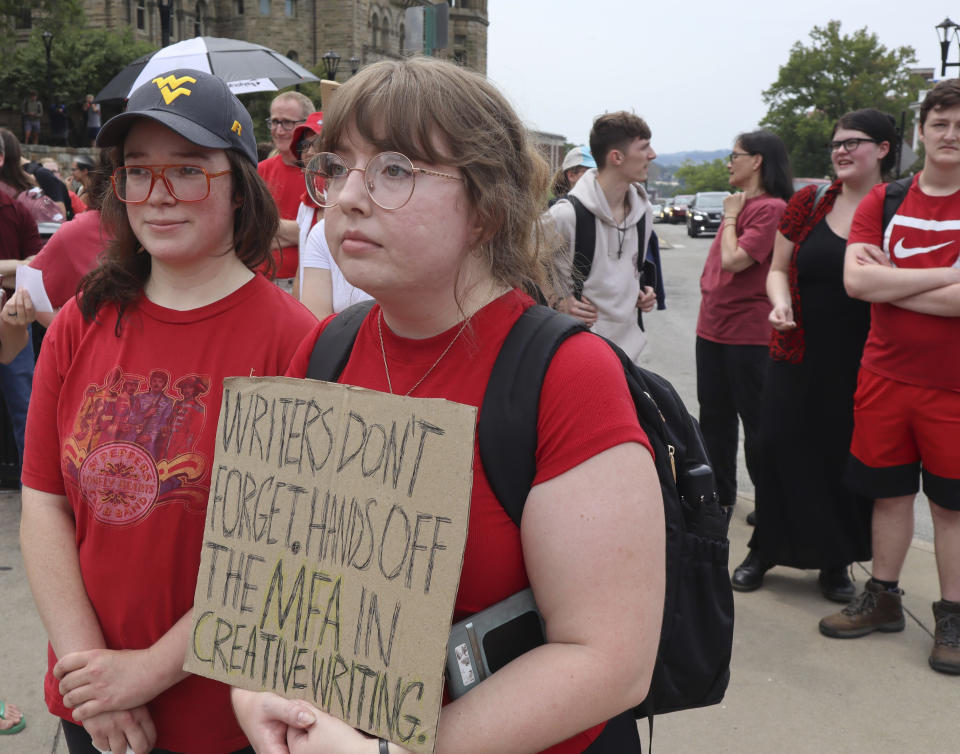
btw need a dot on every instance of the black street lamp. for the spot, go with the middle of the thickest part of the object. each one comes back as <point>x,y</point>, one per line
<point>331,61</point>
<point>945,30</point>
<point>354,65</point>
<point>47,37</point>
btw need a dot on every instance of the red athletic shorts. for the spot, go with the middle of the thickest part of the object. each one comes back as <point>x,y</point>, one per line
<point>902,432</point>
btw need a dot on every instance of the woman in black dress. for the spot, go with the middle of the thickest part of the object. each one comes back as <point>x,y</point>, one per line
<point>805,516</point>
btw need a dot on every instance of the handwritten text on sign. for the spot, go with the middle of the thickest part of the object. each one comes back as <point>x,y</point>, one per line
<point>335,530</point>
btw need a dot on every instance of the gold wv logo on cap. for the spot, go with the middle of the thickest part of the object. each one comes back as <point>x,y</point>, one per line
<point>172,87</point>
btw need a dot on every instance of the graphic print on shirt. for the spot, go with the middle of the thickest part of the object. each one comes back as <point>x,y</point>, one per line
<point>133,445</point>
<point>916,242</point>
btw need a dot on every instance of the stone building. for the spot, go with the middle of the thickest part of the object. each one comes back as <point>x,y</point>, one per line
<point>304,30</point>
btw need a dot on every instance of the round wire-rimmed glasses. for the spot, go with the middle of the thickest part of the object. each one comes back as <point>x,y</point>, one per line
<point>389,179</point>
<point>133,184</point>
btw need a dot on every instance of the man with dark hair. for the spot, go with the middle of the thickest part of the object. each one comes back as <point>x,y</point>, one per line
<point>907,405</point>
<point>607,290</point>
<point>284,178</point>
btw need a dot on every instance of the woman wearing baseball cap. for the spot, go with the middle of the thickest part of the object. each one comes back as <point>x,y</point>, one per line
<point>114,492</point>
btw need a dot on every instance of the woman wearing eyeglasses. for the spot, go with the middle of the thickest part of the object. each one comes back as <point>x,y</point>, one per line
<point>806,517</point>
<point>117,466</point>
<point>732,328</point>
<point>433,196</point>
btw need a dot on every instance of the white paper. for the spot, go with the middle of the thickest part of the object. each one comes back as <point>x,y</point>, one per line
<point>32,280</point>
<point>107,751</point>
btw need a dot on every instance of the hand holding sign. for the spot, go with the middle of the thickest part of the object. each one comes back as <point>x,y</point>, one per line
<point>335,531</point>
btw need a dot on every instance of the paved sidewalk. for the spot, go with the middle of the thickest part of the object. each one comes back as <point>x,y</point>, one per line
<point>792,690</point>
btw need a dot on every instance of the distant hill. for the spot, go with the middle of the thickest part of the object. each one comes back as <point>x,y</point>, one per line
<point>675,159</point>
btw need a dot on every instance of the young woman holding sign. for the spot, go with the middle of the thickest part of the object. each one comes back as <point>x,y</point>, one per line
<point>433,198</point>
<point>114,494</point>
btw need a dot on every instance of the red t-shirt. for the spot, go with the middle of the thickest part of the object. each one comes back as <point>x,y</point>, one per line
<point>125,428</point>
<point>920,349</point>
<point>734,305</point>
<point>582,413</point>
<point>70,254</point>
<point>286,186</point>
<point>19,238</point>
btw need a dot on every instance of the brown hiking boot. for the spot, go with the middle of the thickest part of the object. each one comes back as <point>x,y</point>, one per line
<point>874,609</point>
<point>945,657</point>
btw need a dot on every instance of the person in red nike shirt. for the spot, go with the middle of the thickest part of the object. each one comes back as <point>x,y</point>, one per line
<point>907,404</point>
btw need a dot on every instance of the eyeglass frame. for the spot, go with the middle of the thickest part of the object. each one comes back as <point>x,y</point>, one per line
<point>154,175</point>
<point>366,187</point>
<point>278,123</point>
<point>733,155</point>
<point>833,146</point>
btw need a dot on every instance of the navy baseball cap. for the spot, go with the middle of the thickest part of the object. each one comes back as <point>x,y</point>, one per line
<point>196,105</point>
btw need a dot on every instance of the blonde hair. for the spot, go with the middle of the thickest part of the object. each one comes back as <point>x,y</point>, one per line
<point>440,113</point>
<point>306,104</point>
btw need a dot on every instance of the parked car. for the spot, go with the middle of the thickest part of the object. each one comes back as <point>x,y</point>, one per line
<point>705,212</point>
<point>676,210</point>
<point>799,183</point>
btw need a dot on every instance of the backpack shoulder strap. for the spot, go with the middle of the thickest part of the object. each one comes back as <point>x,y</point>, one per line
<point>332,350</point>
<point>818,197</point>
<point>585,241</point>
<point>894,194</point>
<point>507,431</point>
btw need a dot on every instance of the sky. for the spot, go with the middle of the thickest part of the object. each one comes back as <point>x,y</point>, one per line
<point>693,69</point>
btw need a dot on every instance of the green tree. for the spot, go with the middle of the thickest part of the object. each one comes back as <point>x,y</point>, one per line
<point>82,60</point>
<point>834,74</point>
<point>703,176</point>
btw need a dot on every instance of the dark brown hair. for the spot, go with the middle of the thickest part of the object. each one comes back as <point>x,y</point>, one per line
<point>420,106</point>
<point>877,125</point>
<point>615,131</point>
<point>125,267</point>
<point>12,172</point>
<point>943,96</point>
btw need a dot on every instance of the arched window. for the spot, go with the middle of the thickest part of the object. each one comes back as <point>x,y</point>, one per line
<point>199,20</point>
<point>385,31</point>
<point>375,24</point>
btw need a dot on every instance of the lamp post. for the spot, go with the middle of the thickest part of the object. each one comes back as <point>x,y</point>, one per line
<point>354,65</point>
<point>47,37</point>
<point>945,30</point>
<point>331,61</point>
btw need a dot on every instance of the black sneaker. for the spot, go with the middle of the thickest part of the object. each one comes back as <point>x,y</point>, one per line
<point>835,584</point>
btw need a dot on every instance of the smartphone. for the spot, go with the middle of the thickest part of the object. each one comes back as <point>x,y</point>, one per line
<point>483,643</point>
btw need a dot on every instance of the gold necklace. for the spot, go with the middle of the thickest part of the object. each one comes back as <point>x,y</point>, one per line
<point>383,352</point>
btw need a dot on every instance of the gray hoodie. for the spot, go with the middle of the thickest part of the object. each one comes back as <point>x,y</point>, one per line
<point>614,283</point>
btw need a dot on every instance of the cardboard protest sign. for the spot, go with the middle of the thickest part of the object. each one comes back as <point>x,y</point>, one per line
<point>334,538</point>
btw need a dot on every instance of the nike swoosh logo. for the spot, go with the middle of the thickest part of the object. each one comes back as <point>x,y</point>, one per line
<point>901,252</point>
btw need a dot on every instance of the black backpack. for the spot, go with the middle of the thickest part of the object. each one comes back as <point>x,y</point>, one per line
<point>693,660</point>
<point>893,196</point>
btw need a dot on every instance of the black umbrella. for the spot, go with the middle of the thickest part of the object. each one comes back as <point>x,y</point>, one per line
<point>245,66</point>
